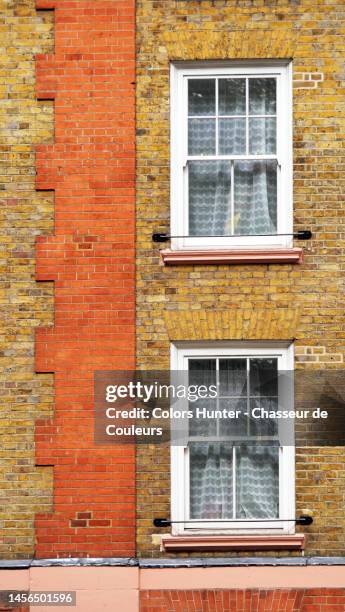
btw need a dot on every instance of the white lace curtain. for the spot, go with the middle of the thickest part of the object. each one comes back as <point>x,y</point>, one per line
<point>211,481</point>
<point>255,187</point>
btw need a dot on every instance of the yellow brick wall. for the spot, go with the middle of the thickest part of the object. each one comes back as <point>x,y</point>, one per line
<point>24,304</point>
<point>312,33</point>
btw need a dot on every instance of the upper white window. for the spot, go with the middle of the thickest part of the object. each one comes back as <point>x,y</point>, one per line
<point>223,477</point>
<point>231,155</point>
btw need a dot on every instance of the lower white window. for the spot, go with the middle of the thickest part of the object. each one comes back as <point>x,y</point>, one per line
<point>234,475</point>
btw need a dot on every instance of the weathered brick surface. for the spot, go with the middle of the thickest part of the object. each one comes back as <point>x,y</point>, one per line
<point>90,166</point>
<point>90,257</point>
<point>312,34</point>
<point>24,213</point>
<point>250,600</point>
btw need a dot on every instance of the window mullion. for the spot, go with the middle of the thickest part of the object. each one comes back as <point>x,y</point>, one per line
<point>248,396</point>
<point>217,398</point>
<point>232,197</point>
<point>247,116</point>
<point>217,121</point>
<point>186,197</point>
<point>262,157</point>
<point>234,482</point>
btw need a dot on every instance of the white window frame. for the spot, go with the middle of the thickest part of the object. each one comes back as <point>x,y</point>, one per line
<point>180,353</point>
<point>180,72</point>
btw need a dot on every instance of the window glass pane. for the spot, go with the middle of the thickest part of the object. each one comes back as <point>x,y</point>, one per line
<point>255,197</point>
<point>262,136</point>
<point>236,426</point>
<point>263,386</point>
<point>209,198</point>
<point>262,96</point>
<point>201,136</point>
<point>232,136</point>
<point>203,426</point>
<point>202,372</point>
<point>210,480</point>
<point>232,377</point>
<point>232,96</point>
<point>263,426</point>
<point>201,97</point>
<point>263,377</point>
<point>257,482</point>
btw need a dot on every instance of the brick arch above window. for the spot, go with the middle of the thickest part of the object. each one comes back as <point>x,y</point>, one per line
<point>233,324</point>
<point>213,45</point>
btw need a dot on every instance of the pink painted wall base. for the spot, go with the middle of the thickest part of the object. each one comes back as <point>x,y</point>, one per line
<point>130,589</point>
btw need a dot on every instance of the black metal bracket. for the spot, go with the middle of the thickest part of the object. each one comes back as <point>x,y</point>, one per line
<point>300,235</point>
<point>160,237</point>
<point>303,519</point>
<point>161,522</point>
<point>303,235</point>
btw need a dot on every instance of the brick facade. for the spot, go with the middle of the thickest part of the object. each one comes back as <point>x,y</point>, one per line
<point>258,301</point>
<point>90,258</point>
<point>78,135</point>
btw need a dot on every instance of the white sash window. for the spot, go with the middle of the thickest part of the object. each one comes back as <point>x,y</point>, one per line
<point>231,180</point>
<point>222,478</point>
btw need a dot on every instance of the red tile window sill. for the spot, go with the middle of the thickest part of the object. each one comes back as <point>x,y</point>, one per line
<point>231,256</point>
<point>234,542</point>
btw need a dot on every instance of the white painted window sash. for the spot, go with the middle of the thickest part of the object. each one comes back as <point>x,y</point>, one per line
<point>180,72</point>
<point>180,354</point>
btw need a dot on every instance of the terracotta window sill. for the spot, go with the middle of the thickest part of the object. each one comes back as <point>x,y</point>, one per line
<point>233,542</point>
<point>231,256</point>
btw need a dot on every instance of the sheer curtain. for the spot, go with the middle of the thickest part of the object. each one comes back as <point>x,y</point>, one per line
<point>257,482</point>
<point>209,198</point>
<point>211,490</point>
<point>211,481</point>
<point>255,197</point>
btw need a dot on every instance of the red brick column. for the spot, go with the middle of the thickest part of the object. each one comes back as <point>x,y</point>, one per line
<point>90,257</point>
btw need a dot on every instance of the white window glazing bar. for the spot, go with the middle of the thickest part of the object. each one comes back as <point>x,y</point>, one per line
<point>230,157</point>
<point>217,398</point>
<point>247,116</point>
<point>230,116</point>
<point>234,482</point>
<point>217,120</point>
<point>248,394</point>
<point>232,197</point>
